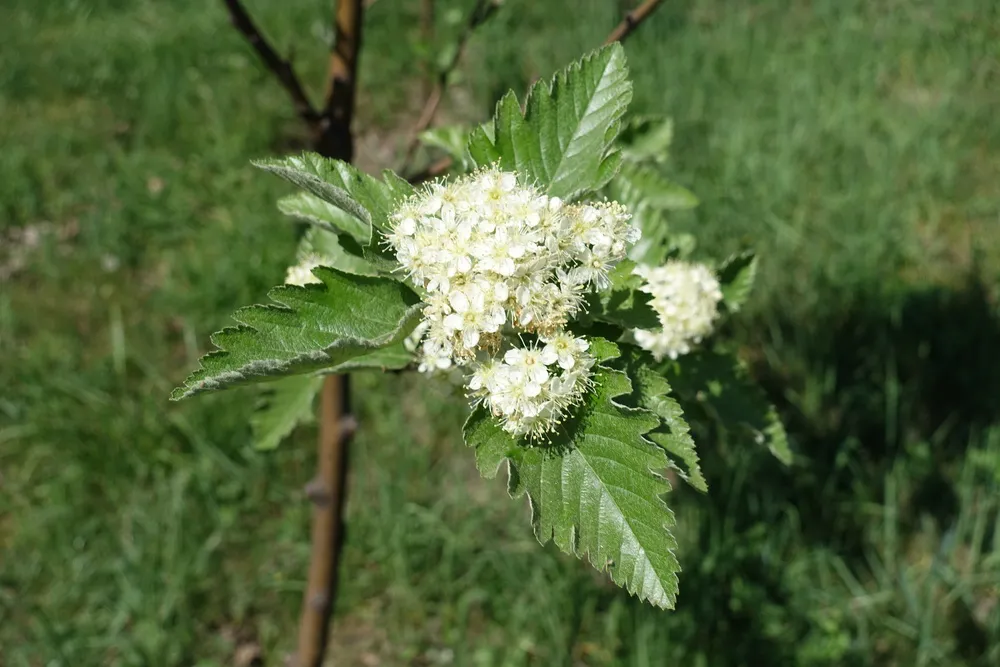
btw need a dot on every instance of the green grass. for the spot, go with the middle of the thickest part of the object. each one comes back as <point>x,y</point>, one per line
<point>855,144</point>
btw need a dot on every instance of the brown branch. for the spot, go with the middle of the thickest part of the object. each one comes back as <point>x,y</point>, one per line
<point>328,490</point>
<point>483,10</point>
<point>282,69</point>
<point>335,138</point>
<point>632,21</point>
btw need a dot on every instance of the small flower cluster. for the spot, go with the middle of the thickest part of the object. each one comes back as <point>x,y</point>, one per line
<point>495,256</point>
<point>301,274</point>
<point>489,251</point>
<point>686,298</point>
<point>531,389</point>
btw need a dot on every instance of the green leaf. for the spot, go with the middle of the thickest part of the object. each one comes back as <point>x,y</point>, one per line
<point>593,490</point>
<point>650,390</point>
<point>736,277</point>
<point>390,358</point>
<point>315,327</point>
<point>623,304</point>
<point>453,140</point>
<point>643,185</point>
<point>336,182</point>
<point>338,251</point>
<point>653,246</point>
<point>647,138</point>
<point>310,208</point>
<point>288,403</point>
<point>721,385</point>
<point>563,140</point>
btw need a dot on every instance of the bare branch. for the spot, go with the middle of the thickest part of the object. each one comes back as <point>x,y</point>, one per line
<point>483,10</point>
<point>632,21</point>
<point>328,490</point>
<point>335,138</point>
<point>282,69</point>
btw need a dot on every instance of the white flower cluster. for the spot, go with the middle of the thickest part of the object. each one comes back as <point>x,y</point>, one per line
<point>531,388</point>
<point>686,298</point>
<point>301,274</point>
<point>496,256</point>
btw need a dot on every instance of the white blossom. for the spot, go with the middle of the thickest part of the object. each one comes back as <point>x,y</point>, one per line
<point>685,297</point>
<point>491,252</point>
<point>532,388</point>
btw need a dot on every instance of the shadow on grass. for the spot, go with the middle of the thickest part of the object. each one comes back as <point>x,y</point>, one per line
<point>887,385</point>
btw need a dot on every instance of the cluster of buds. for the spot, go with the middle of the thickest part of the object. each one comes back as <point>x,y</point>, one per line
<point>496,257</point>
<point>685,297</point>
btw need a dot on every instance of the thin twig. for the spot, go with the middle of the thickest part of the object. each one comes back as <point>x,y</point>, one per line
<point>282,69</point>
<point>632,21</point>
<point>328,490</point>
<point>621,32</point>
<point>483,10</point>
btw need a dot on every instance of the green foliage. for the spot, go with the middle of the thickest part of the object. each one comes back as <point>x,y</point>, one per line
<point>315,327</point>
<point>623,304</point>
<point>343,186</point>
<point>453,140</point>
<point>717,383</point>
<point>287,403</point>
<point>647,137</point>
<point>593,489</point>
<point>736,278</point>
<point>310,208</point>
<point>337,251</point>
<point>650,390</point>
<point>644,185</point>
<point>563,140</point>
<point>336,182</point>
<point>158,538</point>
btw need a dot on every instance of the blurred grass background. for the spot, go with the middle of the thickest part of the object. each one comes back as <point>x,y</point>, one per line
<point>856,144</point>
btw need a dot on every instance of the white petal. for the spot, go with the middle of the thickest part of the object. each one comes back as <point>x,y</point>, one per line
<point>549,355</point>
<point>514,356</point>
<point>538,374</point>
<point>470,337</point>
<point>459,301</point>
<point>407,227</point>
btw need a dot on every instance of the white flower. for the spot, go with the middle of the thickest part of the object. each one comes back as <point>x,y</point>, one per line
<point>527,397</point>
<point>564,350</point>
<point>495,257</point>
<point>527,361</point>
<point>685,298</point>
